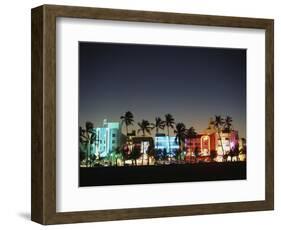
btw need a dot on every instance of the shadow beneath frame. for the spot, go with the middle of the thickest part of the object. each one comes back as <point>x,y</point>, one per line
<point>25,215</point>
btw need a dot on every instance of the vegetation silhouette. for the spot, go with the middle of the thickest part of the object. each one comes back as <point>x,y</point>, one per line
<point>159,156</point>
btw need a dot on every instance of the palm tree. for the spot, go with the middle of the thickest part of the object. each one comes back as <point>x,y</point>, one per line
<point>82,144</point>
<point>228,127</point>
<point>82,156</point>
<point>219,123</point>
<point>144,128</point>
<point>127,119</point>
<point>93,157</point>
<point>159,124</point>
<point>243,150</point>
<point>124,153</point>
<point>169,123</point>
<point>196,154</point>
<point>117,155</point>
<point>228,124</point>
<point>181,134</point>
<point>151,153</point>
<point>135,154</point>
<point>190,134</point>
<point>87,137</point>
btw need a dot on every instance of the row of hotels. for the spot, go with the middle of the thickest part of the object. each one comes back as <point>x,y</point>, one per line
<point>109,137</point>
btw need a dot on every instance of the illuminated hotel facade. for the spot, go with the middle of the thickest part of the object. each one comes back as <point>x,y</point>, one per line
<point>167,143</point>
<point>210,140</point>
<point>108,138</point>
<point>205,143</point>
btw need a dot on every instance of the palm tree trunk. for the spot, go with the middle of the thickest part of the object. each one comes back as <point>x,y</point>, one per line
<point>86,155</point>
<point>143,134</point>
<point>169,143</point>
<point>142,153</point>
<point>190,150</point>
<point>179,149</point>
<point>156,138</point>
<point>157,144</point>
<point>122,157</point>
<point>221,146</point>
<point>87,160</point>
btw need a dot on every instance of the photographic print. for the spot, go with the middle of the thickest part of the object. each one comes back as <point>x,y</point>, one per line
<point>159,107</point>
<point>161,114</point>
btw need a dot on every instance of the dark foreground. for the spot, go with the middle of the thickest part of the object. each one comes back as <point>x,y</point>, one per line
<point>162,174</point>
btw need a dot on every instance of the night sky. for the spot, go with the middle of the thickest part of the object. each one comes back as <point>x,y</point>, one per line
<point>191,83</point>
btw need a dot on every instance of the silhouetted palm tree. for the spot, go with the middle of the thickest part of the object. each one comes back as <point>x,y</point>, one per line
<point>93,157</point>
<point>190,134</point>
<point>158,153</point>
<point>117,154</point>
<point>135,154</point>
<point>82,155</point>
<point>196,154</point>
<point>228,124</point>
<point>236,152</point>
<point>127,119</point>
<point>159,124</point>
<point>219,124</point>
<point>243,149</point>
<point>124,153</point>
<point>144,128</point>
<point>228,128</point>
<point>169,123</point>
<point>151,153</point>
<point>87,137</point>
<point>178,155</point>
<point>181,135</point>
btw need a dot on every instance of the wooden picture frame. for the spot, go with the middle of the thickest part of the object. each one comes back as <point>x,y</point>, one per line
<point>43,207</point>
